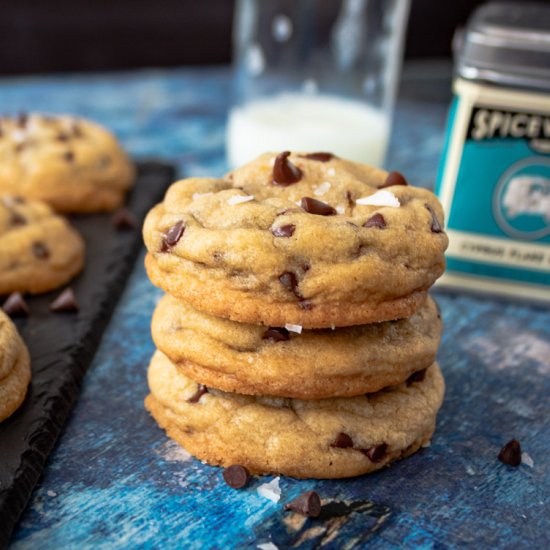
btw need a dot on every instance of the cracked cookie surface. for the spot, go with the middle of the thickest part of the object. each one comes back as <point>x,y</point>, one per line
<point>15,368</point>
<point>39,250</point>
<point>344,244</point>
<point>314,364</point>
<point>328,438</point>
<point>71,163</point>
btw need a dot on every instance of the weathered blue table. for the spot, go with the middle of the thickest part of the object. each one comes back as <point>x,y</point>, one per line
<point>115,480</point>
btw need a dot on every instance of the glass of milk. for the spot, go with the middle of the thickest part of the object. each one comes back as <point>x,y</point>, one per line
<point>315,75</point>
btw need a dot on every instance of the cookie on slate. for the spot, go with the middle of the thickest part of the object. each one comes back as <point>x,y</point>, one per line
<point>39,250</point>
<point>15,368</point>
<point>71,163</point>
<point>315,364</point>
<point>256,248</point>
<point>328,438</point>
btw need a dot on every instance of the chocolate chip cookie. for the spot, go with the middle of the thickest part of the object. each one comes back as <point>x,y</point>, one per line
<point>71,163</point>
<point>328,438</point>
<point>15,368</point>
<point>291,362</point>
<point>301,239</point>
<point>39,250</point>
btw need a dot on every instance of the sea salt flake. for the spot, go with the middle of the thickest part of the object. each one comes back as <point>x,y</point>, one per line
<point>331,172</point>
<point>294,328</point>
<point>270,490</point>
<point>19,136</point>
<point>470,471</point>
<point>527,460</point>
<point>267,546</point>
<point>322,189</point>
<point>340,209</point>
<point>51,493</point>
<point>238,199</point>
<point>380,198</point>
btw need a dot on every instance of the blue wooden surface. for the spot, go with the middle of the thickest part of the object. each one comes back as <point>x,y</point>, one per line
<point>115,481</point>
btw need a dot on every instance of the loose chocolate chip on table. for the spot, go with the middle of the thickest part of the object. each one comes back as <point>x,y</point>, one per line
<point>289,281</point>
<point>511,453</point>
<point>417,376</point>
<point>68,156</point>
<point>172,236</point>
<point>436,226</point>
<point>376,453</point>
<point>236,476</point>
<point>284,230</point>
<point>284,172</point>
<point>22,119</point>
<point>15,305</point>
<point>313,206</point>
<point>377,220</point>
<point>65,302</point>
<point>394,178</point>
<point>276,334</point>
<point>321,157</point>
<point>201,390</point>
<point>308,504</point>
<point>342,441</point>
<point>40,250</point>
<point>123,219</point>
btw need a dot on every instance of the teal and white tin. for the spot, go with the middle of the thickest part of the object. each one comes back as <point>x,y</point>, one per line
<point>494,180</point>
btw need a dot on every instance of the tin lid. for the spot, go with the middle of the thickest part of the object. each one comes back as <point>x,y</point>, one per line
<point>506,43</point>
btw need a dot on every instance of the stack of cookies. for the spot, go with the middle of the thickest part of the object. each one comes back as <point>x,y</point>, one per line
<point>48,165</point>
<point>296,336</point>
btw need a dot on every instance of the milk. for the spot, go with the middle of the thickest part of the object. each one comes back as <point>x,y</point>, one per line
<point>307,122</point>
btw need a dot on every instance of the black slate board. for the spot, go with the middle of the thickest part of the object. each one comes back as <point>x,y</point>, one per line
<point>62,345</point>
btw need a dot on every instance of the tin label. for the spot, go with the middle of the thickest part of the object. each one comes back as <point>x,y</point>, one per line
<point>499,205</point>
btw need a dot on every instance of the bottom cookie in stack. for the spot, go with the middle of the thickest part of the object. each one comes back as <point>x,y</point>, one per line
<point>15,368</point>
<point>326,438</point>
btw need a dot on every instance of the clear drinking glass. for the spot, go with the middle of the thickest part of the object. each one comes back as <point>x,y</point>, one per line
<point>315,75</point>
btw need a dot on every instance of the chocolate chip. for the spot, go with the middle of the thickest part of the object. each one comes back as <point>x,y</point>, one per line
<point>40,250</point>
<point>313,206</point>
<point>65,302</point>
<point>376,453</point>
<point>511,453</point>
<point>417,376</point>
<point>308,504</point>
<point>17,219</point>
<point>350,199</point>
<point>76,130</point>
<point>22,119</point>
<point>284,172</point>
<point>15,305</point>
<point>284,230</point>
<point>123,219</point>
<point>394,178</point>
<point>289,281</point>
<point>68,156</point>
<point>172,236</point>
<point>236,476</point>
<point>377,220</point>
<point>342,441</point>
<point>62,136</point>
<point>276,334</point>
<point>201,390</point>
<point>306,305</point>
<point>436,226</point>
<point>321,157</point>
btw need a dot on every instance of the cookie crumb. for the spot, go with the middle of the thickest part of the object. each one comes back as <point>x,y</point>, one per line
<point>270,490</point>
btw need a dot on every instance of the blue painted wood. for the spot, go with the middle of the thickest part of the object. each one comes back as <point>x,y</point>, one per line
<point>116,481</point>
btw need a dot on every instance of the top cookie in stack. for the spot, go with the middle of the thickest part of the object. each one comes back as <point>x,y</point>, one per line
<point>307,239</point>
